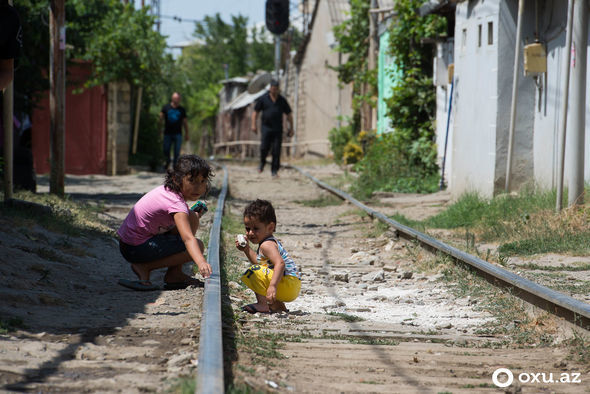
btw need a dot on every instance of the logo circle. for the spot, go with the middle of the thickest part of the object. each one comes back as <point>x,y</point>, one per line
<point>506,372</point>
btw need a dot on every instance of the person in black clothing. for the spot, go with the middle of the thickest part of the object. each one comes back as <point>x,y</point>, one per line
<point>10,42</point>
<point>174,117</point>
<point>273,106</point>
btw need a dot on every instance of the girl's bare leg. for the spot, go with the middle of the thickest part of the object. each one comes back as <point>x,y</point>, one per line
<point>173,263</point>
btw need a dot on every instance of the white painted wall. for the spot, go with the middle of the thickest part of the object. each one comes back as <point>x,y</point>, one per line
<point>548,103</point>
<point>476,75</point>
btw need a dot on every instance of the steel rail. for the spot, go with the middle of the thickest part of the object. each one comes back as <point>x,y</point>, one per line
<point>210,367</point>
<point>572,310</point>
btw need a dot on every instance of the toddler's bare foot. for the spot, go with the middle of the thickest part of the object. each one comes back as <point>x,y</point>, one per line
<point>278,306</point>
<point>254,308</point>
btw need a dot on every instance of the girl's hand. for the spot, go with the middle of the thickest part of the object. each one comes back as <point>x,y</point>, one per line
<point>271,294</point>
<point>205,269</point>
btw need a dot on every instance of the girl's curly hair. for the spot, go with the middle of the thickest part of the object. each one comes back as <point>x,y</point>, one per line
<point>191,165</point>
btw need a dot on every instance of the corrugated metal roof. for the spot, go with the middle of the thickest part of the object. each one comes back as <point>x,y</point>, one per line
<point>244,99</point>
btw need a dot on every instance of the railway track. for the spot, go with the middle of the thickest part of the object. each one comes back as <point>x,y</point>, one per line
<point>332,339</point>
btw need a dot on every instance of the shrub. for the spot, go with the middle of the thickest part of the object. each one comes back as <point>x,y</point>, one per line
<point>339,137</point>
<point>353,153</point>
<point>388,168</point>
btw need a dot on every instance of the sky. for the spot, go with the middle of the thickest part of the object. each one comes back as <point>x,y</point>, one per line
<point>197,9</point>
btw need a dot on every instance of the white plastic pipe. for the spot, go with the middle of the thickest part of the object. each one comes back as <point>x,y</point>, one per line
<point>514,95</point>
<point>565,93</point>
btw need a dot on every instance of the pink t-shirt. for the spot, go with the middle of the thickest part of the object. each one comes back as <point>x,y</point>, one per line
<point>151,215</point>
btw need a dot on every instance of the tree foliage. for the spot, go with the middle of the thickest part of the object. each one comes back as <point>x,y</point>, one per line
<point>219,46</point>
<point>413,102</point>
<point>352,36</point>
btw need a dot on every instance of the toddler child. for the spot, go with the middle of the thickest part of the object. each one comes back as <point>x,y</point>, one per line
<point>159,232</point>
<point>273,276</point>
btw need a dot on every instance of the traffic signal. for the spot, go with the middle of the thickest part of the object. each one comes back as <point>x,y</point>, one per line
<point>277,16</point>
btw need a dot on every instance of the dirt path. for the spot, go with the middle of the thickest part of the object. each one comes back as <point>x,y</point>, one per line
<point>81,331</point>
<point>367,320</point>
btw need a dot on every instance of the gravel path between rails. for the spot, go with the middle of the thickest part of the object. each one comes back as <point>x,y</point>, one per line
<point>367,319</point>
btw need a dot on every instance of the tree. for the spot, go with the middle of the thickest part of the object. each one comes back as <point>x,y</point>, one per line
<point>412,104</point>
<point>353,41</point>
<point>201,68</point>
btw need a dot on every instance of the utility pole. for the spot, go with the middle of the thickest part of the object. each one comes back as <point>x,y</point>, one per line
<point>514,96</point>
<point>57,95</point>
<point>373,48</point>
<point>7,116</point>
<point>576,139</point>
<point>277,55</point>
<point>565,93</point>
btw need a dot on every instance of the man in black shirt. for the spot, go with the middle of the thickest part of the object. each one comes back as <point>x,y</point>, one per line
<point>273,106</point>
<point>174,117</point>
<point>10,42</point>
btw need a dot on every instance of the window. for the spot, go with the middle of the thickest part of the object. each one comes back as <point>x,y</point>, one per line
<point>490,33</point>
<point>479,36</point>
<point>464,39</point>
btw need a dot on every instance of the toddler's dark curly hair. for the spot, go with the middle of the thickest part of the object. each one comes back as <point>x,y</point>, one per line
<point>191,165</point>
<point>261,210</point>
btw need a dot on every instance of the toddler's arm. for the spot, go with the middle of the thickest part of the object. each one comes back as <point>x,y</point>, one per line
<point>250,254</point>
<point>271,250</point>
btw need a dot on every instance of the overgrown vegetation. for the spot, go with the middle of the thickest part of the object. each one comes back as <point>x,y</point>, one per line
<point>405,160</point>
<point>63,215</point>
<point>324,201</point>
<point>526,223</point>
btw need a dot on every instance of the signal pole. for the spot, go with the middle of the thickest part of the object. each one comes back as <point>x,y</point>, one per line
<point>57,93</point>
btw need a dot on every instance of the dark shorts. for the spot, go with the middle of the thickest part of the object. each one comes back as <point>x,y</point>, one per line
<point>155,248</point>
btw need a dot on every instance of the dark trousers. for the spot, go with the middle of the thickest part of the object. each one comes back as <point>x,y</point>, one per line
<point>271,141</point>
<point>169,140</point>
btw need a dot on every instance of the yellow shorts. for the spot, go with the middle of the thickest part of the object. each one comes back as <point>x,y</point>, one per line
<point>258,277</point>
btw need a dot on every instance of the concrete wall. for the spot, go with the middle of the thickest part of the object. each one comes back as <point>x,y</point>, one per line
<point>485,34</point>
<point>476,99</point>
<point>319,95</point>
<point>549,101</point>
<point>522,159</point>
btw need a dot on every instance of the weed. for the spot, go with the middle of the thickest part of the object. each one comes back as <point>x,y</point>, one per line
<point>346,317</point>
<point>183,386</point>
<point>10,324</point>
<point>63,216</point>
<point>320,202</point>
<point>242,389</point>
<point>579,348</point>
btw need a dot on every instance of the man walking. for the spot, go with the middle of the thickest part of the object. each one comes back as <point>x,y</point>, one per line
<point>174,117</point>
<point>273,107</point>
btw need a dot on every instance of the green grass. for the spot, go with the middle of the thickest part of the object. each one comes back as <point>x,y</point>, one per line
<point>561,242</point>
<point>562,267</point>
<point>10,324</point>
<point>472,210</point>
<point>526,223</point>
<point>66,217</point>
<point>345,316</point>
<point>320,202</point>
